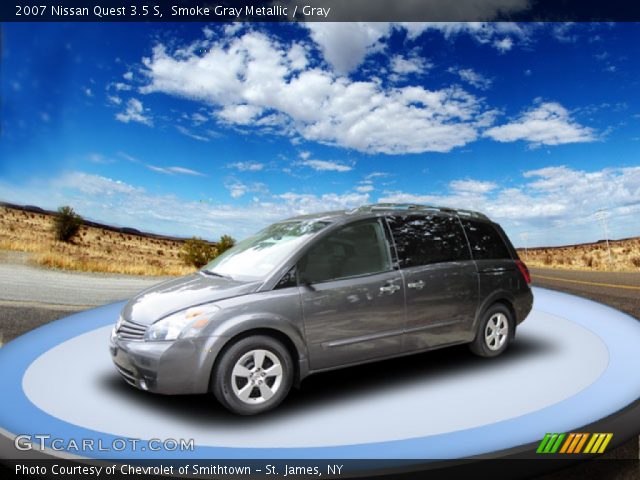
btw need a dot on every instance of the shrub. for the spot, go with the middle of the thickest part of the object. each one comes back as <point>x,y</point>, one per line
<point>197,252</point>
<point>225,243</point>
<point>66,224</point>
<point>635,261</point>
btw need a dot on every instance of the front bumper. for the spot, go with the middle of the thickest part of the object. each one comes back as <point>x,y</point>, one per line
<point>181,366</point>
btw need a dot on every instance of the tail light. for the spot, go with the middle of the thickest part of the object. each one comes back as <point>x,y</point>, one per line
<point>524,271</point>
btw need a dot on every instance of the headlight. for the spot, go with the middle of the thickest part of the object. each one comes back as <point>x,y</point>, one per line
<point>185,324</point>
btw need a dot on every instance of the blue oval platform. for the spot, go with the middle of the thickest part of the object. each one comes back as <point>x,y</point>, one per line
<point>573,363</point>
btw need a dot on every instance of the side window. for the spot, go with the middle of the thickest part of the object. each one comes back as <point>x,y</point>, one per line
<point>486,243</point>
<point>354,250</point>
<point>427,239</point>
<point>289,279</point>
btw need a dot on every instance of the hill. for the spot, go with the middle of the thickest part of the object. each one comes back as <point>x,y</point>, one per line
<point>96,248</point>
<point>625,256</point>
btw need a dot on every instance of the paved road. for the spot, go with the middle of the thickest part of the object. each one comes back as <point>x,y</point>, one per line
<point>24,283</point>
<point>31,296</point>
<point>617,289</point>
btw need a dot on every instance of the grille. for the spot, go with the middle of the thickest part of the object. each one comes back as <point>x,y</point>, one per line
<point>131,331</point>
<point>128,375</point>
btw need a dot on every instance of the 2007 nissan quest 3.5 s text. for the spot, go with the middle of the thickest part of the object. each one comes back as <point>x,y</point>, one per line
<point>324,291</point>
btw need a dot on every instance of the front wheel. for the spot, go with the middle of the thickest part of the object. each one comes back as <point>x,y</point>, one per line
<point>253,375</point>
<point>494,332</point>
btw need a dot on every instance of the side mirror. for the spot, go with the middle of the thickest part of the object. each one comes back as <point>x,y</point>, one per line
<point>304,282</point>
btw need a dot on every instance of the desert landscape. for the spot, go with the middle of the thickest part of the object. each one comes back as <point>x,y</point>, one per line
<point>102,248</point>
<point>625,256</point>
<point>93,249</point>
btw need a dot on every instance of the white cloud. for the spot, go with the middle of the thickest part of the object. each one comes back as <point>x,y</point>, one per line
<point>114,99</point>
<point>90,185</point>
<point>134,113</point>
<point>496,34</point>
<point>240,114</point>
<point>251,82</point>
<point>128,76</point>
<point>555,205</point>
<point>563,32</point>
<point>185,131</point>
<point>99,158</point>
<point>325,166</point>
<point>297,57</point>
<point>413,63</point>
<point>472,77</point>
<point>175,170</point>
<point>373,175</point>
<point>345,45</point>
<point>247,166</point>
<point>365,188</point>
<point>503,45</point>
<point>165,170</point>
<point>308,203</point>
<point>118,203</point>
<point>122,86</point>
<point>471,186</point>
<point>239,189</point>
<point>198,119</point>
<point>548,123</point>
<point>88,92</point>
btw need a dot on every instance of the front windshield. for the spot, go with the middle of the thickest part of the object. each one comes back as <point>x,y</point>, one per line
<point>254,258</point>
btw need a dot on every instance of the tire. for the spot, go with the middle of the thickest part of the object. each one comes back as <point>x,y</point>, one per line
<point>245,387</point>
<point>495,331</point>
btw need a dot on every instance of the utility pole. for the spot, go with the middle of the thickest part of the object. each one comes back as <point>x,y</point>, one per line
<point>602,216</point>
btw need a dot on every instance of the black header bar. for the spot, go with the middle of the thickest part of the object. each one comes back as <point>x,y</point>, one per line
<point>319,10</point>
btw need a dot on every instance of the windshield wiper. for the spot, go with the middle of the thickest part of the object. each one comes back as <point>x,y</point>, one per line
<point>216,274</point>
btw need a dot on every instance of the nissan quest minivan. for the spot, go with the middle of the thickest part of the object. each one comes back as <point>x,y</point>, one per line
<point>324,291</point>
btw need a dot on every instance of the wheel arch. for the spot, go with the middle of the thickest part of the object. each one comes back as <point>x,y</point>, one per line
<point>297,358</point>
<point>503,297</point>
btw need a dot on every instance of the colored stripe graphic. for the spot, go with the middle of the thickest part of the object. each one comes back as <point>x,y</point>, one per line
<point>573,443</point>
<point>598,443</point>
<point>551,443</point>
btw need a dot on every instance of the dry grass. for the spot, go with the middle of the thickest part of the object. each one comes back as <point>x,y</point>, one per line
<point>625,256</point>
<point>93,249</point>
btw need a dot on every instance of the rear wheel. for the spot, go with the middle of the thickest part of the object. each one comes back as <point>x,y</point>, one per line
<point>253,375</point>
<point>494,332</point>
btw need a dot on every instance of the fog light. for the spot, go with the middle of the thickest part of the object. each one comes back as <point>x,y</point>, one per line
<point>143,384</point>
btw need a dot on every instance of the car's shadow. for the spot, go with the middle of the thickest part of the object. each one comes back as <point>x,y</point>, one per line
<point>323,389</point>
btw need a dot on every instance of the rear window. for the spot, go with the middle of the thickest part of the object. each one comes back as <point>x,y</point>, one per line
<point>485,241</point>
<point>423,240</point>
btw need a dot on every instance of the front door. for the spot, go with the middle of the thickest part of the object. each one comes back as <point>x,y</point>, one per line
<point>352,299</point>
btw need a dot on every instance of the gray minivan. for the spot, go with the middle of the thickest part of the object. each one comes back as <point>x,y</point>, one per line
<point>324,291</point>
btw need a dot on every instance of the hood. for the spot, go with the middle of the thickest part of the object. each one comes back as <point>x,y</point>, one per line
<point>181,293</point>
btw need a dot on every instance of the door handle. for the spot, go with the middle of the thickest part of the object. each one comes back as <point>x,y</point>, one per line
<point>419,284</point>
<point>390,288</point>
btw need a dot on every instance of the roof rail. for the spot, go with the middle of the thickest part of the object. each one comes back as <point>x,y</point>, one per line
<point>417,207</point>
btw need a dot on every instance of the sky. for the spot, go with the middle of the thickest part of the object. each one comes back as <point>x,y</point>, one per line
<point>206,130</point>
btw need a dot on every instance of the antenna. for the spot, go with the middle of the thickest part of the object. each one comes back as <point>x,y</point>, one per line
<point>602,215</point>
